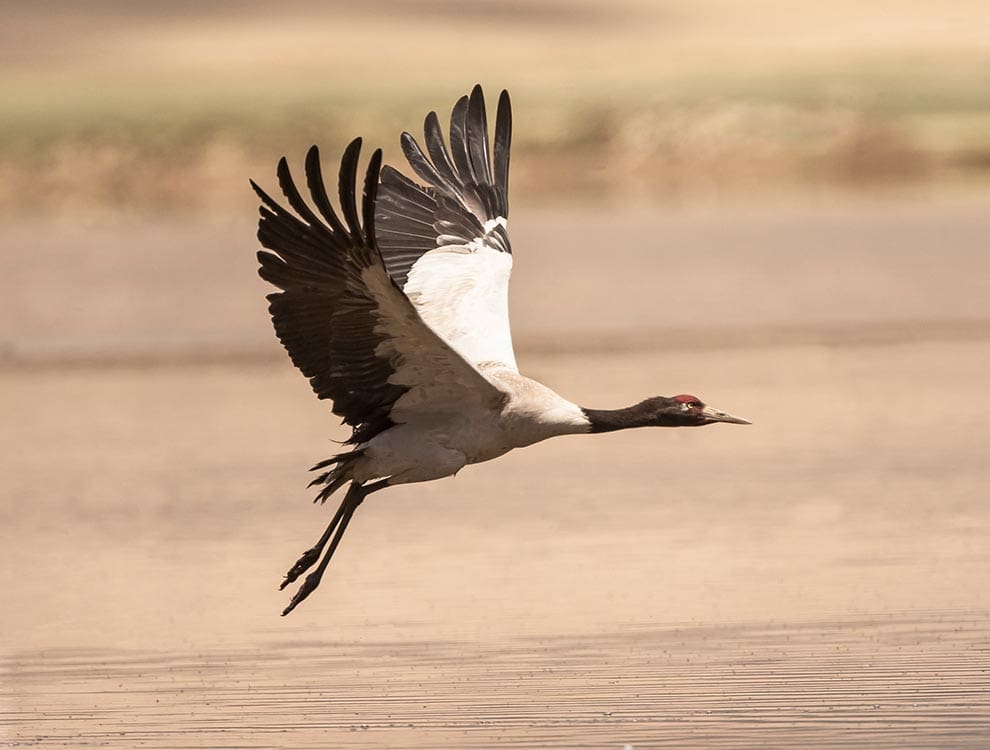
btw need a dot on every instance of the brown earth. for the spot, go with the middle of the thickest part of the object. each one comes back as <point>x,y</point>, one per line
<point>817,579</point>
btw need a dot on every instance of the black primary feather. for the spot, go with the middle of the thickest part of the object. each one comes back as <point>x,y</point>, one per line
<point>503,142</point>
<point>477,145</point>
<point>324,315</point>
<point>433,136</point>
<point>466,186</point>
<point>422,166</point>
<point>459,141</point>
<point>346,185</point>
<point>318,190</point>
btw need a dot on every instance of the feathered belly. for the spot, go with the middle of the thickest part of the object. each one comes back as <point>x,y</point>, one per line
<point>416,453</point>
<point>425,450</point>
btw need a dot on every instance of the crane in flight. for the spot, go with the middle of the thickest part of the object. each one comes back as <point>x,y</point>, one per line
<point>397,312</point>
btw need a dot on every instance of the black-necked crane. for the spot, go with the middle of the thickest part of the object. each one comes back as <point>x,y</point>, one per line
<point>398,313</point>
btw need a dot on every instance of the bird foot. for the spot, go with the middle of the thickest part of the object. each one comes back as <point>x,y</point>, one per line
<point>308,587</point>
<point>303,564</point>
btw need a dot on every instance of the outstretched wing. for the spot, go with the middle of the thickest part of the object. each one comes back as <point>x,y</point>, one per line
<point>445,243</point>
<point>344,323</point>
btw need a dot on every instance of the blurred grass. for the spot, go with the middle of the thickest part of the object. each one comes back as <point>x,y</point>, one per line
<point>173,106</point>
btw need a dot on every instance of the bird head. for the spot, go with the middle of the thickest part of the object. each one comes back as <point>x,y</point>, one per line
<point>686,410</point>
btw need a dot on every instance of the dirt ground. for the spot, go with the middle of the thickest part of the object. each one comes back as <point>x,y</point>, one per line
<point>817,579</point>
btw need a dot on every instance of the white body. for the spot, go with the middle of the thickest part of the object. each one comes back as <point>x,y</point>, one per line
<point>466,402</point>
<point>439,445</point>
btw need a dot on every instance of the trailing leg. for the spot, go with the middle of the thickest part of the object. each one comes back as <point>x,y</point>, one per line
<point>356,494</point>
<point>310,556</point>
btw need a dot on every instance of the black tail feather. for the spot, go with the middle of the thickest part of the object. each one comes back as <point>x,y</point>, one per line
<point>339,474</point>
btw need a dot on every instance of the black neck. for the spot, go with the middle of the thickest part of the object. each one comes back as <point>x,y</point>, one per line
<point>609,420</point>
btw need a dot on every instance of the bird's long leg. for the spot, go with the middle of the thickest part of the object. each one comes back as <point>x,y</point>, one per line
<point>310,556</point>
<point>356,494</point>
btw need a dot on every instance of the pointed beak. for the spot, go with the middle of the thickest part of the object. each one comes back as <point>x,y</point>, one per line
<point>714,415</point>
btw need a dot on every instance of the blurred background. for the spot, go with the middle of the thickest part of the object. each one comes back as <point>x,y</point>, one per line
<point>124,107</point>
<point>781,207</point>
<point>130,131</point>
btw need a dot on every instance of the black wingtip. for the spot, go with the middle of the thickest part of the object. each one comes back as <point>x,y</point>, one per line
<point>346,181</point>
<point>353,149</point>
<point>459,139</point>
<point>291,192</point>
<point>266,199</point>
<point>282,170</point>
<point>501,149</point>
<point>370,195</point>
<point>318,191</point>
<point>312,163</point>
<point>477,144</point>
<point>420,164</point>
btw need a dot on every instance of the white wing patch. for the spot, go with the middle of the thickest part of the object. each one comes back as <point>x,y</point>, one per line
<point>462,293</point>
<point>498,221</point>
<point>438,378</point>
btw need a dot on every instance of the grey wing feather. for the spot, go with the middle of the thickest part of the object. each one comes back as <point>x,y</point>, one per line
<point>466,187</point>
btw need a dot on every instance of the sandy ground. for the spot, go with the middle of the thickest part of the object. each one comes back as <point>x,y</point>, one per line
<point>589,278</point>
<point>817,579</point>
